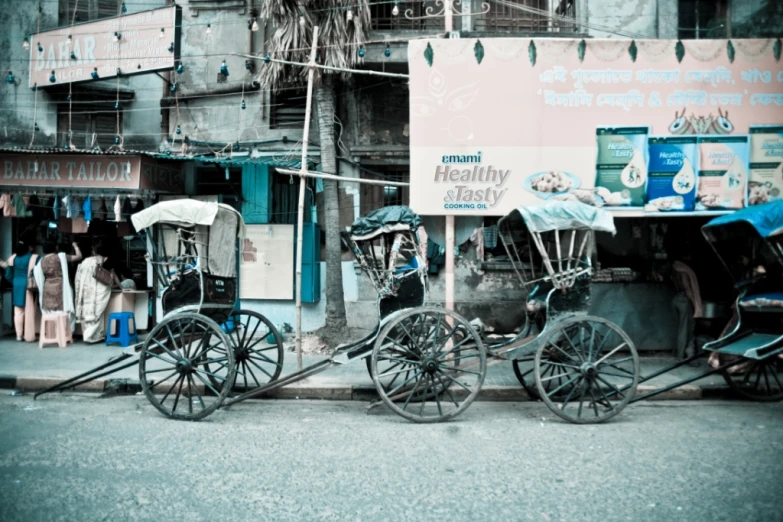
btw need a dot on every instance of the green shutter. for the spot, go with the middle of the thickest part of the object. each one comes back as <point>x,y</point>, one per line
<point>256,202</point>
<point>311,262</point>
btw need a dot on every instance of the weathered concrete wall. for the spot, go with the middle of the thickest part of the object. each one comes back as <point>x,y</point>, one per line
<point>635,18</point>
<point>20,107</point>
<point>18,102</point>
<point>212,114</point>
<point>377,113</point>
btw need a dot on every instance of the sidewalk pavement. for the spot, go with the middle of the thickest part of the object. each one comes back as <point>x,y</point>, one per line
<point>23,366</point>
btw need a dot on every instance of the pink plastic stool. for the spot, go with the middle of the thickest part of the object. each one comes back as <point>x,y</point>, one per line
<point>62,330</point>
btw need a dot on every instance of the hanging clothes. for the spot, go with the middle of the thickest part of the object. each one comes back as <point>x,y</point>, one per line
<point>477,239</point>
<point>36,209</point>
<point>491,236</point>
<point>102,211</point>
<point>56,208</point>
<point>130,207</point>
<point>117,210</point>
<point>8,208</point>
<point>436,256</point>
<point>20,209</point>
<point>87,209</point>
<point>73,208</point>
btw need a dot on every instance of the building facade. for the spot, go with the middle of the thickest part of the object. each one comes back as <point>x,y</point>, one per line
<point>227,136</point>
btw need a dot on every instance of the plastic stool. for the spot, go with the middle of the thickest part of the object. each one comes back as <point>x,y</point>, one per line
<point>62,330</point>
<point>120,322</point>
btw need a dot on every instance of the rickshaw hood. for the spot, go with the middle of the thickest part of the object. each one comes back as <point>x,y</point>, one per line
<point>566,215</point>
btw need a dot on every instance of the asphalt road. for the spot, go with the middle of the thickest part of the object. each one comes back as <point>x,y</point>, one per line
<point>78,457</point>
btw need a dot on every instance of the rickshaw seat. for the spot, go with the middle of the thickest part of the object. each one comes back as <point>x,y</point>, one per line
<point>766,300</point>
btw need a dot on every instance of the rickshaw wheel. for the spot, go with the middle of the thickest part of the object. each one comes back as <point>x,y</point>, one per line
<point>523,369</point>
<point>595,363</point>
<point>180,348</point>
<point>258,351</point>
<point>428,364</point>
<point>762,380</point>
<point>525,366</point>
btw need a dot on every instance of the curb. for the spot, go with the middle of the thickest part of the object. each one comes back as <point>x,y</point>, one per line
<point>344,392</point>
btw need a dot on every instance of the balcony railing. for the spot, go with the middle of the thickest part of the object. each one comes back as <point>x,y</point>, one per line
<point>516,16</point>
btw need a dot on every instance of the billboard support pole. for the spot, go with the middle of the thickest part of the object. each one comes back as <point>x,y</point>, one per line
<point>302,184</point>
<point>449,290</point>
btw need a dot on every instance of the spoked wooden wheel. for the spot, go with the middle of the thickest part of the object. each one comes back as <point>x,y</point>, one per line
<point>595,364</point>
<point>176,358</point>
<point>258,351</point>
<point>524,369</point>
<point>428,364</point>
<point>760,380</point>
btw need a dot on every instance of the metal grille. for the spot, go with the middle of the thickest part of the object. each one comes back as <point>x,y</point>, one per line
<point>382,18</point>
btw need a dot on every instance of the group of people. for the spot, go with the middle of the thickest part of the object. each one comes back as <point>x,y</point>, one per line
<point>41,285</point>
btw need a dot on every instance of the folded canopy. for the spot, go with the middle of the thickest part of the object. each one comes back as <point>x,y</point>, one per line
<point>766,220</point>
<point>183,212</point>
<point>224,226</point>
<point>384,220</point>
<point>566,215</point>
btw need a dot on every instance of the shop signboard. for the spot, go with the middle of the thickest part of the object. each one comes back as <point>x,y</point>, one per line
<point>504,122</point>
<point>90,171</point>
<point>129,44</point>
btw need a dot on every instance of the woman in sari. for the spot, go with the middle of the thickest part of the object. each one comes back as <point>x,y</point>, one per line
<point>51,276</point>
<point>92,296</point>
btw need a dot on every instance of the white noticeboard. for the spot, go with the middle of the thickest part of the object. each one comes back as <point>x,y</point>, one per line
<point>266,269</point>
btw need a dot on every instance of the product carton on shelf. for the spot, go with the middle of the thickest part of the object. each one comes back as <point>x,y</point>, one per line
<point>766,164</point>
<point>723,172</point>
<point>672,174</point>
<point>621,165</point>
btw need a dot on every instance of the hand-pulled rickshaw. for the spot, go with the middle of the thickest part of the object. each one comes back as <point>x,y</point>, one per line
<point>427,363</point>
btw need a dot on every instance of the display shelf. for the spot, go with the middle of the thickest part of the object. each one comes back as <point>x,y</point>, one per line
<point>619,212</point>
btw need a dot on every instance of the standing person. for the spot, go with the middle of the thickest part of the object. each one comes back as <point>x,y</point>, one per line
<point>18,270</point>
<point>51,275</point>
<point>92,296</point>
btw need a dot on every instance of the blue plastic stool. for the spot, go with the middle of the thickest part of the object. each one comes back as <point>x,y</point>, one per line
<point>120,322</point>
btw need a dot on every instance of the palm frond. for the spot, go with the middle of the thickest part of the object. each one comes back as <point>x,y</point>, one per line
<point>339,40</point>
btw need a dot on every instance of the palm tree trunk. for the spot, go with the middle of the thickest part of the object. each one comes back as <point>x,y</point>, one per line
<point>335,302</point>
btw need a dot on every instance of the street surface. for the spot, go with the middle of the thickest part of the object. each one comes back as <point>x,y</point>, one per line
<point>80,457</point>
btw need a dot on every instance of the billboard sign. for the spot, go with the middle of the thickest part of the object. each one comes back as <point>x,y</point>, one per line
<point>504,122</point>
<point>136,43</point>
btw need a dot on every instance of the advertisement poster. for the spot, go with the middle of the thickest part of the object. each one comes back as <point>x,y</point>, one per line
<point>500,123</point>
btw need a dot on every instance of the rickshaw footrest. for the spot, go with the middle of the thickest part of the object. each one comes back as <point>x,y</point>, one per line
<point>753,346</point>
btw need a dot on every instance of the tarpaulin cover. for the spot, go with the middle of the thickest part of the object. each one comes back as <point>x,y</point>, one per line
<point>185,212</point>
<point>766,219</point>
<point>566,215</point>
<point>386,219</point>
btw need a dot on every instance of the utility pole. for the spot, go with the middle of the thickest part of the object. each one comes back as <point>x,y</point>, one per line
<point>302,186</point>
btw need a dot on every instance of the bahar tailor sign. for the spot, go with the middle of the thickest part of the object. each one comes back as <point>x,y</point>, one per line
<point>124,45</point>
<point>633,125</point>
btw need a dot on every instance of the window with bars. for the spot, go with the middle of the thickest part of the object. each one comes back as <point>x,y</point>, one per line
<point>702,19</point>
<point>90,123</point>
<point>288,108</point>
<point>377,196</point>
<point>87,10</point>
<point>528,16</point>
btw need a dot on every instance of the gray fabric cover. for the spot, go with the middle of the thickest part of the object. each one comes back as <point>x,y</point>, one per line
<point>566,215</point>
<point>222,244</point>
